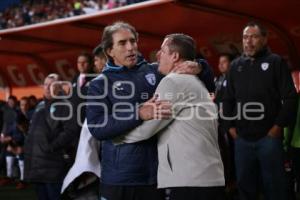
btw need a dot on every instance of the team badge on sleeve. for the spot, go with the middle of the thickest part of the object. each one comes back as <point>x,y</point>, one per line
<point>264,66</point>
<point>151,79</point>
<point>52,109</point>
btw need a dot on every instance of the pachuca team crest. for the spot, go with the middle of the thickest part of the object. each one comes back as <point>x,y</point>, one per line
<point>151,79</point>
<point>264,66</point>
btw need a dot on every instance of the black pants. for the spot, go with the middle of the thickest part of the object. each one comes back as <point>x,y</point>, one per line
<point>111,192</point>
<point>48,191</point>
<point>2,159</point>
<point>197,193</point>
<point>226,145</point>
<point>296,165</point>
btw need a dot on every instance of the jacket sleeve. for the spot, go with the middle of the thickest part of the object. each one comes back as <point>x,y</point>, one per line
<point>207,76</point>
<point>9,118</point>
<point>228,105</point>
<point>152,127</point>
<point>104,123</point>
<point>288,95</point>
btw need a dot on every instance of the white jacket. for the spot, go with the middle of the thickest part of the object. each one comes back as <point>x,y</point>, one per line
<point>87,157</point>
<point>188,148</point>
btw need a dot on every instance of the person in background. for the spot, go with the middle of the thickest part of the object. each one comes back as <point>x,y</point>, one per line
<point>32,103</point>
<point>25,108</point>
<point>259,101</point>
<point>225,141</point>
<point>80,85</point>
<point>15,143</point>
<point>49,142</point>
<point>223,66</point>
<point>81,175</point>
<point>79,88</point>
<point>99,59</point>
<point>9,111</point>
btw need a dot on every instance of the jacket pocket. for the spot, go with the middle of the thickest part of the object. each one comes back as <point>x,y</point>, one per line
<point>169,158</point>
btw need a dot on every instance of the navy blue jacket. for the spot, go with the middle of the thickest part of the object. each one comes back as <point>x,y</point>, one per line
<point>122,88</point>
<point>207,76</point>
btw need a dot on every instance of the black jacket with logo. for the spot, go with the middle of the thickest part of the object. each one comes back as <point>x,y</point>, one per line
<point>259,94</point>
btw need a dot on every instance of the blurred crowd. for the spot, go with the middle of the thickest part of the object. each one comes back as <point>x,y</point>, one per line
<point>15,116</point>
<point>36,11</point>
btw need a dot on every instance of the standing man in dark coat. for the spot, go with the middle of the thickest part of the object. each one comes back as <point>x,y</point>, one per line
<point>80,86</point>
<point>260,99</point>
<point>48,143</point>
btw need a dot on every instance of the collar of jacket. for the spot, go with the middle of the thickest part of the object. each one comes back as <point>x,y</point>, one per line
<point>48,102</point>
<point>110,66</point>
<point>264,51</point>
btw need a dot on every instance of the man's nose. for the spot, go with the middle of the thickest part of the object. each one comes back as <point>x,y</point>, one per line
<point>249,39</point>
<point>129,46</point>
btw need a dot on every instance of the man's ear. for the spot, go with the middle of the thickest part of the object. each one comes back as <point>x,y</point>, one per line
<point>175,56</point>
<point>109,52</point>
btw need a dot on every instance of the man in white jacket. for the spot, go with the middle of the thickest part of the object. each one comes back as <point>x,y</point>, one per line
<point>189,158</point>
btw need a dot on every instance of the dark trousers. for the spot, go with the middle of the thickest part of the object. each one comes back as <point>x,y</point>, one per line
<point>260,158</point>
<point>48,191</point>
<point>197,193</point>
<point>2,159</point>
<point>226,145</point>
<point>111,192</point>
<point>295,154</point>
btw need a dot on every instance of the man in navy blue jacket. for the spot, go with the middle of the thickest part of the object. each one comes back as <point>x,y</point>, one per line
<point>129,170</point>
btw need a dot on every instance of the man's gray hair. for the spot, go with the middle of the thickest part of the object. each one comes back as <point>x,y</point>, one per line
<point>183,44</point>
<point>54,76</point>
<point>107,36</point>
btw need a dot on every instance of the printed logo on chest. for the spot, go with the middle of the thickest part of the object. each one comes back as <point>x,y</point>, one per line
<point>264,66</point>
<point>151,79</point>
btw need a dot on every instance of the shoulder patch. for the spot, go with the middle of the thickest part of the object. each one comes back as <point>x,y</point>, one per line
<point>264,66</point>
<point>151,79</point>
<point>52,109</point>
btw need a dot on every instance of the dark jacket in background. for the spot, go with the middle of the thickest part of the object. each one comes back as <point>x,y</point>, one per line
<point>207,76</point>
<point>264,80</point>
<point>48,144</point>
<point>9,117</point>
